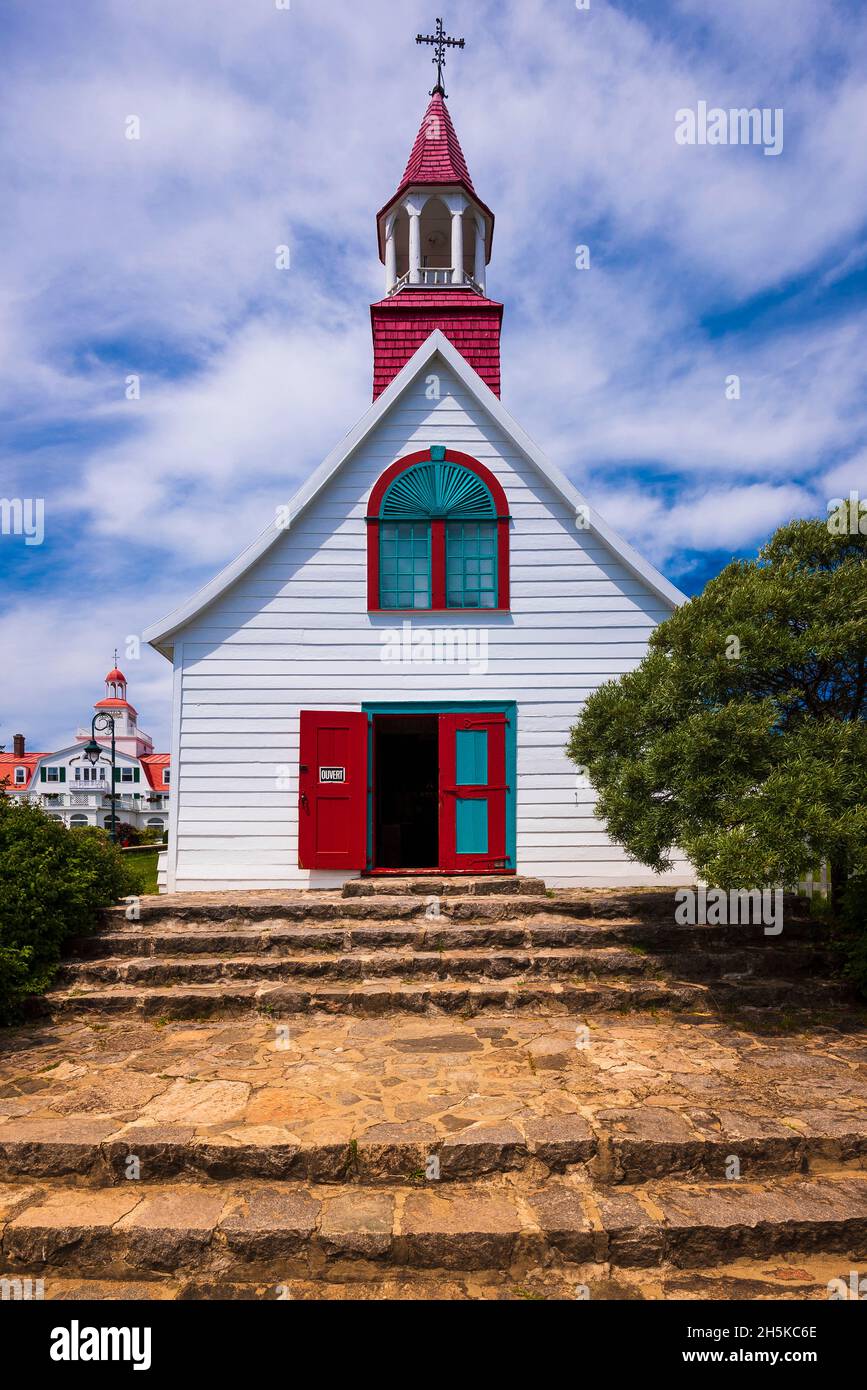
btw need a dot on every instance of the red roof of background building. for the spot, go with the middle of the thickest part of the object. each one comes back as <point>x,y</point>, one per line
<point>113,703</point>
<point>153,764</point>
<point>404,321</point>
<point>9,761</point>
<point>115,675</point>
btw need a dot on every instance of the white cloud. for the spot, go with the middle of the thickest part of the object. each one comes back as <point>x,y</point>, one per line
<point>724,518</point>
<point>64,647</point>
<point>263,126</point>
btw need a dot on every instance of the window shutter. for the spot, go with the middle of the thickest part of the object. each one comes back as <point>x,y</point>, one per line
<point>135,775</point>
<point>43,774</point>
<point>117,774</point>
<point>63,774</point>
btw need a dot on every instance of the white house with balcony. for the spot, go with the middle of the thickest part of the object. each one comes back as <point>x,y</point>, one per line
<point>72,789</point>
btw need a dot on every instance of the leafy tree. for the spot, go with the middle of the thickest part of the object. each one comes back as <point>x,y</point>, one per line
<point>741,737</point>
<point>53,883</point>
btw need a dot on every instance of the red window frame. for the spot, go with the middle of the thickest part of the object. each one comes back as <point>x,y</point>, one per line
<point>438,538</point>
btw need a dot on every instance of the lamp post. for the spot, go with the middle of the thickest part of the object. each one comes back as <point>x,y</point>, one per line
<point>92,752</point>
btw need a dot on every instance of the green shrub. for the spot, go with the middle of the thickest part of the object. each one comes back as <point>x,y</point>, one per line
<point>141,871</point>
<point>854,934</point>
<point>53,883</point>
<point>151,835</point>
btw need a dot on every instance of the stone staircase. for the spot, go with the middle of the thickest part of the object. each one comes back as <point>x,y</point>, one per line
<point>450,945</point>
<point>435,1089</point>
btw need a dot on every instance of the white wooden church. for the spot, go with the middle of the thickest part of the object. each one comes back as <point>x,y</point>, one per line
<point>384,681</point>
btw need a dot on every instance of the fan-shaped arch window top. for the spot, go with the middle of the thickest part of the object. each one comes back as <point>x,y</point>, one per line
<point>438,535</point>
<point>429,490</point>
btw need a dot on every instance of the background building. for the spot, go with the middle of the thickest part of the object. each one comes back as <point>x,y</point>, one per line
<point>71,790</point>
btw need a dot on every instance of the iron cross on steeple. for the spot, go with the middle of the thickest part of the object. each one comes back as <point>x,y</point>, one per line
<point>441,41</point>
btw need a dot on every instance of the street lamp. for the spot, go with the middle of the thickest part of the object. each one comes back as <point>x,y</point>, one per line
<point>93,750</point>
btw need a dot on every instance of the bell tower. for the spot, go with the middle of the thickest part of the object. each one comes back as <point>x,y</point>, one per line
<point>435,238</point>
<point>129,738</point>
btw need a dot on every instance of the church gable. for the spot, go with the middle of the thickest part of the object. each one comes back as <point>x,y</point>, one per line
<point>319,559</point>
<point>436,399</point>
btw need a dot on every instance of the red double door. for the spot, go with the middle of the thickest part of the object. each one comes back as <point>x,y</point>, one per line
<point>336,783</point>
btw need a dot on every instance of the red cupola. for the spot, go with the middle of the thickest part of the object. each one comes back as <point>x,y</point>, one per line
<point>115,692</point>
<point>435,237</point>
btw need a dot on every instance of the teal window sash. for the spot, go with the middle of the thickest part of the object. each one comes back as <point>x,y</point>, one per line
<point>472,580</point>
<point>405,579</point>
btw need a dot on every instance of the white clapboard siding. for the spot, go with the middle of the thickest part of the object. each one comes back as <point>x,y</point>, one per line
<point>293,633</point>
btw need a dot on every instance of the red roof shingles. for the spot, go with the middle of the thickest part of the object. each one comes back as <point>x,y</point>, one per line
<point>402,323</point>
<point>8,763</point>
<point>436,156</point>
<point>153,764</point>
<point>436,160</point>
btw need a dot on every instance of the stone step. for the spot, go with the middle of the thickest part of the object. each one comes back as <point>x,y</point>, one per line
<point>469,997</point>
<point>702,949</point>
<point>789,1278</point>
<point>653,908</point>
<point>616,1145</point>
<point>394,965</point>
<point>440,885</point>
<point>274,1233</point>
<point>723,971</point>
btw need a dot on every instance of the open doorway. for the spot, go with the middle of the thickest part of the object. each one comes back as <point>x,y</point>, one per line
<point>406,791</point>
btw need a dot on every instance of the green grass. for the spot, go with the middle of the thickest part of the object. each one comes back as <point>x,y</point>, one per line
<point>142,869</point>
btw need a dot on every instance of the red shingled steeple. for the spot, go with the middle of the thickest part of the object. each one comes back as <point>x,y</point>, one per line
<point>425,289</point>
<point>437,156</point>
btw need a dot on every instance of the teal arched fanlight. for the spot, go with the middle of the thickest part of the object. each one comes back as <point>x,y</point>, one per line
<point>437,490</point>
<point>438,536</point>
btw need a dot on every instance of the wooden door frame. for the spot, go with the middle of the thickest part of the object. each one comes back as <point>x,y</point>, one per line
<point>509,708</point>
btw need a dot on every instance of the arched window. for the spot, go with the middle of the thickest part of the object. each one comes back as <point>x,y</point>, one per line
<point>438,535</point>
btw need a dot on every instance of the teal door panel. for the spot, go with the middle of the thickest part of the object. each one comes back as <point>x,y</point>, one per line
<point>472,757</point>
<point>471,826</point>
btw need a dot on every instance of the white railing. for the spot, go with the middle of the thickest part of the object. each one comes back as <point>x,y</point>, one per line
<point>439,277</point>
<point>134,801</point>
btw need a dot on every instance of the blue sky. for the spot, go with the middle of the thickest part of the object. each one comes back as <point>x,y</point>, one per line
<point>263,126</point>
